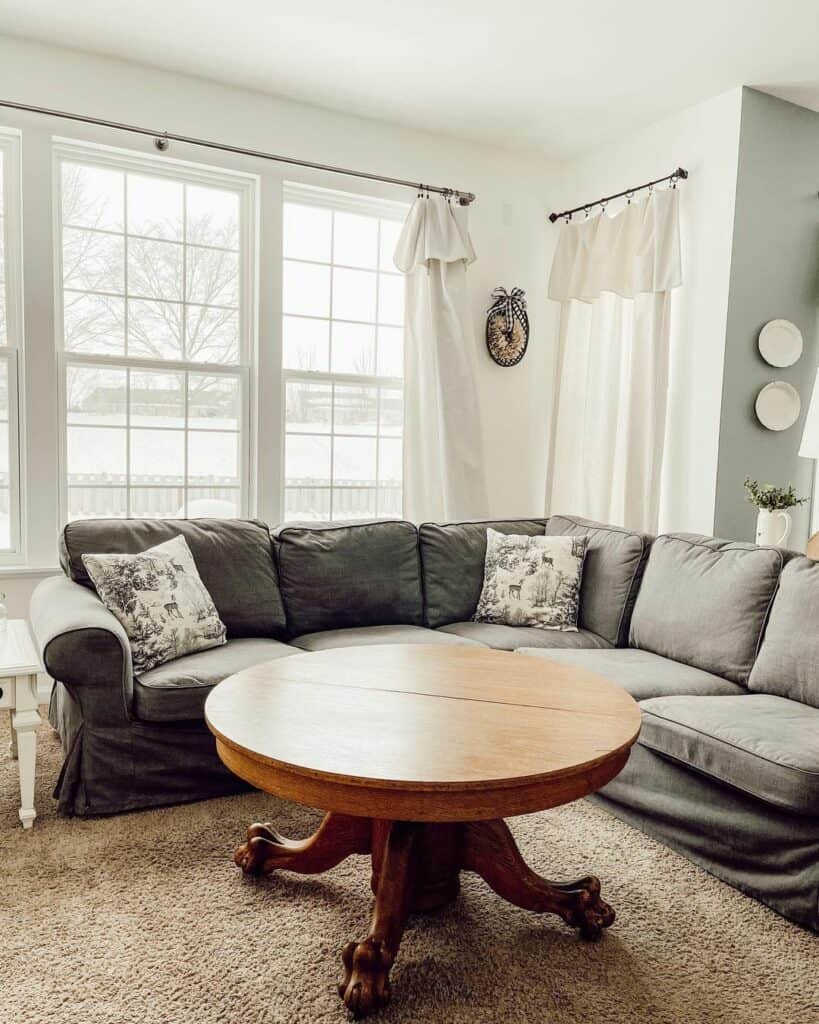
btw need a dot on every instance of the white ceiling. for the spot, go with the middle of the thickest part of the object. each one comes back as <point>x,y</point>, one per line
<point>559,77</point>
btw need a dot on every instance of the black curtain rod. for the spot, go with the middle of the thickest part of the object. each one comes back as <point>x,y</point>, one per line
<point>680,174</point>
<point>162,139</point>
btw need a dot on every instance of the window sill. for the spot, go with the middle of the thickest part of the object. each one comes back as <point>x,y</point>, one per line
<point>28,570</point>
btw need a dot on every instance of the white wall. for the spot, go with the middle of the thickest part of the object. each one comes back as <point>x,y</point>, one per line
<point>512,238</point>
<point>705,140</point>
<point>514,241</point>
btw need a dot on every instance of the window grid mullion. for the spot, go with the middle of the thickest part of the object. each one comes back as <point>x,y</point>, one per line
<point>169,430</point>
<point>321,377</point>
<point>128,442</point>
<point>184,338</point>
<point>151,298</point>
<point>126,300</point>
<point>165,365</point>
<point>145,487</point>
<point>315,316</point>
<point>332,446</point>
<point>186,489</point>
<point>153,238</point>
<point>128,501</point>
<point>339,266</point>
<point>375,363</point>
<point>331,318</point>
<point>330,367</point>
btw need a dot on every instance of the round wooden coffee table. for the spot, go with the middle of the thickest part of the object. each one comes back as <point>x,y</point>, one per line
<point>418,753</point>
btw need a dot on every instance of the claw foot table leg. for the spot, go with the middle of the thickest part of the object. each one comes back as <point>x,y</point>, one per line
<point>338,836</point>
<point>415,868</point>
<point>365,987</point>
<point>491,852</point>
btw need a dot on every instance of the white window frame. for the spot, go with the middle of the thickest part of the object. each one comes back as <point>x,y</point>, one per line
<point>10,353</point>
<point>245,371</point>
<point>384,209</point>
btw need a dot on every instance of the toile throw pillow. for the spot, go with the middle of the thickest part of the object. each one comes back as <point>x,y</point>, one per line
<point>531,581</point>
<point>161,601</point>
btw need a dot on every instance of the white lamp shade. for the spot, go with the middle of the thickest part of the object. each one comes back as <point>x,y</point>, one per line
<point>809,449</point>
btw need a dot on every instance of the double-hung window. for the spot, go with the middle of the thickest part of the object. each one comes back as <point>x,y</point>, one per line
<point>342,353</point>
<point>155,322</point>
<point>10,343</point>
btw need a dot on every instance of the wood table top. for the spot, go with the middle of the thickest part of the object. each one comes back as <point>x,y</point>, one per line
<point>423,732</point>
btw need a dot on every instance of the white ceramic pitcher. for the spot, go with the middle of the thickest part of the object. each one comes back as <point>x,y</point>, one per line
<point>773,527</point>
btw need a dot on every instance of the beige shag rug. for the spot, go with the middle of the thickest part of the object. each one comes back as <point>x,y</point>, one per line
<point>143,918</point>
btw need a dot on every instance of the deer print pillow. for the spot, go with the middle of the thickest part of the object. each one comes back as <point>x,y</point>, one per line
<point>160,600</point>
<point>531,581</point>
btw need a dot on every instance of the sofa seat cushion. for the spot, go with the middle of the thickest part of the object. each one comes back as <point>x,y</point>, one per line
<point>510,638</point>
<point>643,674</point>
<point>176,691</point>
<point>704,601</point>
<point>761,744</point>
<point>615,559</point>
<point>339,576</point>
<point>364,636</point>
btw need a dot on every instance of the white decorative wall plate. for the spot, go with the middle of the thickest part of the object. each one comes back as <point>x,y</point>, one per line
<point>778,405</point>
<point>780,343</point>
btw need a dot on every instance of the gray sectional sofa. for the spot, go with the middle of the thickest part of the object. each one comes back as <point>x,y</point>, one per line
<point>718,641</point>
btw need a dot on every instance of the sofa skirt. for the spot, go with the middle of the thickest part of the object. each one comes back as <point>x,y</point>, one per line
<point>133,766</point>
<point>759,849</point>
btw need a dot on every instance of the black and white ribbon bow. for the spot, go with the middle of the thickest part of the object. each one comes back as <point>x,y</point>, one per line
<point>511,304</point>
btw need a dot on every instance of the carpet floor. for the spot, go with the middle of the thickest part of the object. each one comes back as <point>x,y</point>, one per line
<point>143,918</point>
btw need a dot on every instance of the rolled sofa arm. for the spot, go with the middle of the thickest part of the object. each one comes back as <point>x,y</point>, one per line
<point>84,647</point>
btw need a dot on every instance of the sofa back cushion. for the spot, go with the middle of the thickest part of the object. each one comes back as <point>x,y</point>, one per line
<point>452,556</point>
<point>615,560</point>
<point>704,602</point>
<point>788,662</point>
<point>336,576</point>
<point>233,556</point>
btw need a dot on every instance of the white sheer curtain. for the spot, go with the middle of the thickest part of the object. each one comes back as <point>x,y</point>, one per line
<point>614,278</point>
<point>443,465</point>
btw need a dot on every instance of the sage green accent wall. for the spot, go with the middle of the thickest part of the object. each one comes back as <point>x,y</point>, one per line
<point>774,273</point>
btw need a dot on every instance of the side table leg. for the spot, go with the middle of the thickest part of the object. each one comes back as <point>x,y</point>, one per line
<point>24,721</point>
<point>13,740</point>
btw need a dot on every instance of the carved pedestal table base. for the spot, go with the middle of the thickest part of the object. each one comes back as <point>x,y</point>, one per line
<point>420,751</point>
<point>416,868</point>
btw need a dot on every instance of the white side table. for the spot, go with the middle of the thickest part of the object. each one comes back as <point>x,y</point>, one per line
<point>19,665</point>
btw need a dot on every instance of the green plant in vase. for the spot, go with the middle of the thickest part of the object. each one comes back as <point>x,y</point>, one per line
<point>773,521</point>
